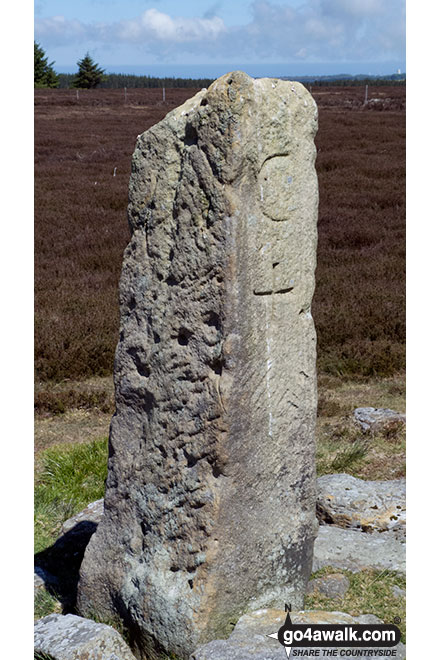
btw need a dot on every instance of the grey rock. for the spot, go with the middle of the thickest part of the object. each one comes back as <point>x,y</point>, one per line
<point>368,618</point>
<point>354,503</point>
<point>91,514</point>
<point>249,639</point>
<point>210,499</point>
<point>378,419</point>
<point>71,637</point>
<point>398,592</point>
<point>332,586</point>
<point>38,582</point>
<point>348,549</point>
<point>58,565</point>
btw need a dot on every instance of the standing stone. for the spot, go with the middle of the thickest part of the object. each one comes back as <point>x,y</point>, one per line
<point>210,501</point>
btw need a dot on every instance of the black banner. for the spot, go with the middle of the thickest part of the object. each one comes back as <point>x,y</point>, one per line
<point>303,635</point>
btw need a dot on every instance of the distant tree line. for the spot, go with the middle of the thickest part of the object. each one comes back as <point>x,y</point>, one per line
<point>352,82</point>
<point>90,76</point>
<point>121,80</point>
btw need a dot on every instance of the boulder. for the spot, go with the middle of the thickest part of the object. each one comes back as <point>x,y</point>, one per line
<point>331,586</point>
<point>398,592</point>
<point>210,498</point>
<point>354,503</point>
<point>70,637</point>
<point>57,567</point>
<point>348,549</point>
<point>249,639</point>
<point>378,419</point>
<point>43,580</point>
<point>91,515</point>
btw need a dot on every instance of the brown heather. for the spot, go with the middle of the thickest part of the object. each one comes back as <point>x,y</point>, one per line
<point>81,228</point>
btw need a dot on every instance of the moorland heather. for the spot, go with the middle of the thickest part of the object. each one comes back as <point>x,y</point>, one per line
<point>83,150</point>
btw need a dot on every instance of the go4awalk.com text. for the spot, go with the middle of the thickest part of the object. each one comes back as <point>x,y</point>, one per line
<point>339,640</point>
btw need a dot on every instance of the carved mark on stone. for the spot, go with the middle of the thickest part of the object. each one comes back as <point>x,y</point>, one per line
<point>277,196</point>
<point>269,293</point>
<point>274,276</point>
<point>280,155</point>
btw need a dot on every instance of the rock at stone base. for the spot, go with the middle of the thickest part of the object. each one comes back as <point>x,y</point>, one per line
<point>43,580</point>
<point>91,514</point>
<point>58,565</point>
<point>398,592</point>
<point>71,637</point>
<point>348,549</point>
<point>378,419</point>
<point>354,503</point>
<point>249,640</point>
<point>332,586</point>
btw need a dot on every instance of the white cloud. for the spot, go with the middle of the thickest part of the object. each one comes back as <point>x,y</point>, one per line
<point>151,27</point>
<point>316,31</point>
<point>162,27</point>
<point>58,29</point>
<point>329,30</point>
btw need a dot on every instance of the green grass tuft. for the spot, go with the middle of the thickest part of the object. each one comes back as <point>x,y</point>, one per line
<point>349,455</point>
<point>67,480</point>
<point>45,603</point>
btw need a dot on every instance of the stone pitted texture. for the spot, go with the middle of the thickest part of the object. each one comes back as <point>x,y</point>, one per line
<point>369,506</point>
<point>249,640</point>
<point>71,637</point>
<point>378,419</point>
<point>353,551</point>
<point>210,499</point>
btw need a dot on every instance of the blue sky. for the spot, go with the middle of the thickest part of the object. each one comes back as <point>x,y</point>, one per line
<point>209,38</point>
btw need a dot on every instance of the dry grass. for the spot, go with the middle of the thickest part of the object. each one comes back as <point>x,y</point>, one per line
<point>370,592</point>
<point>73,427</point>
<point>342,446</point>
<point>53,397</point>
<point>340,396</point>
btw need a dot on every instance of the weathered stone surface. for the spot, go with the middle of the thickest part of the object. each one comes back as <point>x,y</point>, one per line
<point>91,514</point>
<point>378,419</point>
<point>354,503</point>
<point>210,499</point>
<point>332,586</point>
<point>352,550</point>
<point>249,640</point>
<point>71,637</point>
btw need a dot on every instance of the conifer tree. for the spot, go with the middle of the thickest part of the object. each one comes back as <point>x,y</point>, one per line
<point>89,74</point>
<point>44,74</point>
